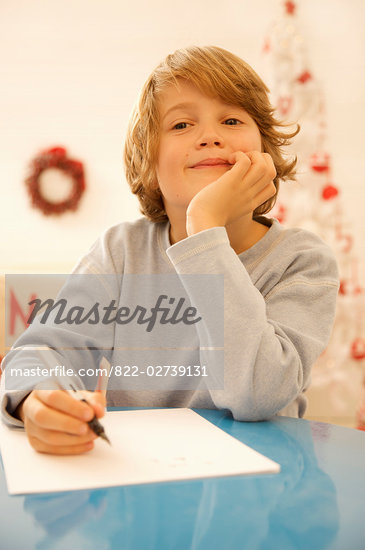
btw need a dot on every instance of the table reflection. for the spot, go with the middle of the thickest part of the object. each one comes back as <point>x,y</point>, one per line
<point>286,511</point>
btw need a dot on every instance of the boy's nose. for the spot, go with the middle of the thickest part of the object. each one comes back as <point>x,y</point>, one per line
<point>207,142</point>
<point>210,140</point>
<point>210,137</point>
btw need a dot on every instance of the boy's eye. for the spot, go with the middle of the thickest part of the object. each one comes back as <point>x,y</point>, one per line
<point>180,126</point>
<point>232,121</point>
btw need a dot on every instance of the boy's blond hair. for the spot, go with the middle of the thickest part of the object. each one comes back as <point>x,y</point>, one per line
<point>217,73</point>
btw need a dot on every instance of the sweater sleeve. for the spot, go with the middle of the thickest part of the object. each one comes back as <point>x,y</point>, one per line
<point>50,347</point>
<point>271,338</point>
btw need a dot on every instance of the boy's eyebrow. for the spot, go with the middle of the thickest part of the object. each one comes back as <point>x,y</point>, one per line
<point>184,105</point>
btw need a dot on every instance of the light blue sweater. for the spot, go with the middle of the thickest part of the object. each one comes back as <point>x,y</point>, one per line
<point>260,335</point>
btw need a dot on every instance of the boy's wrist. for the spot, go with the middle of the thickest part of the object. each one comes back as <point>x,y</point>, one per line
<point>193,227</point>
<point>196,222</point>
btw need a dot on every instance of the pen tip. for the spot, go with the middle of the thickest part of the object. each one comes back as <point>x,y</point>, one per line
<point>105,437</point>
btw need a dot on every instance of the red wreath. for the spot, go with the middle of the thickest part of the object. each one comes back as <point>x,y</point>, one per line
<point>55,157</point>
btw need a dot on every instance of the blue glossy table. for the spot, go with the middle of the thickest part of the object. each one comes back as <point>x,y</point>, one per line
<point>316,502</point>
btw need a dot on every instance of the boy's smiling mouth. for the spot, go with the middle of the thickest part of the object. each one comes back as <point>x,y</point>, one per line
<point>211,162</point>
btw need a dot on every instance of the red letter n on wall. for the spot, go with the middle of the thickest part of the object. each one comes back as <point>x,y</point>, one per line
<point>16,312</point>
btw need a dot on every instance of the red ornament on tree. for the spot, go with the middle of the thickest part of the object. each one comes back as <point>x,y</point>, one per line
<point>320,162</point>
<point>55,157</point>
<point>304,77</point>
<point>343,287</point>
<point>358,349</point>
<point>281,213</point>
<point>290,7</point>
<point>329,192</point>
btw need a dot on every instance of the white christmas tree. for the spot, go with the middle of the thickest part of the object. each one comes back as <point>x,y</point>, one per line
<point>314,203</point>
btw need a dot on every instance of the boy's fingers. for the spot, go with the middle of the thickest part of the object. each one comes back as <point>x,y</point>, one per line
<point>270,165</point>
<point>258,167</point>
<point>240,162</point>
<point>42,447</point>
<point>97,401</point>
<point>261,174</point>
<point>63,402</point>
<point>49,418</point>
<point>56,438</point>
<point>262,162</point>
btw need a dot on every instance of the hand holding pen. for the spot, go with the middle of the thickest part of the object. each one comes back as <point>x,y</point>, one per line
<point>57,423</point>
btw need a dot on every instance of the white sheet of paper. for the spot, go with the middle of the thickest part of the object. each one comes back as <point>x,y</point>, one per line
<point>148,446</point>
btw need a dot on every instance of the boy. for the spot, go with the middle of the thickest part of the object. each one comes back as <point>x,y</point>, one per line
<point>203,156</point>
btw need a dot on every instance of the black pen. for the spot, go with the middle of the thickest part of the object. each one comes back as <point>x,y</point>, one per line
<point>94,424</point>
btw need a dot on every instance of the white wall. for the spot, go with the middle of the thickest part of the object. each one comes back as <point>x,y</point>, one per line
<point>71,71</point>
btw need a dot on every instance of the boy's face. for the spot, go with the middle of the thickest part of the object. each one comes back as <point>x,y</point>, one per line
<point>197,135</point>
